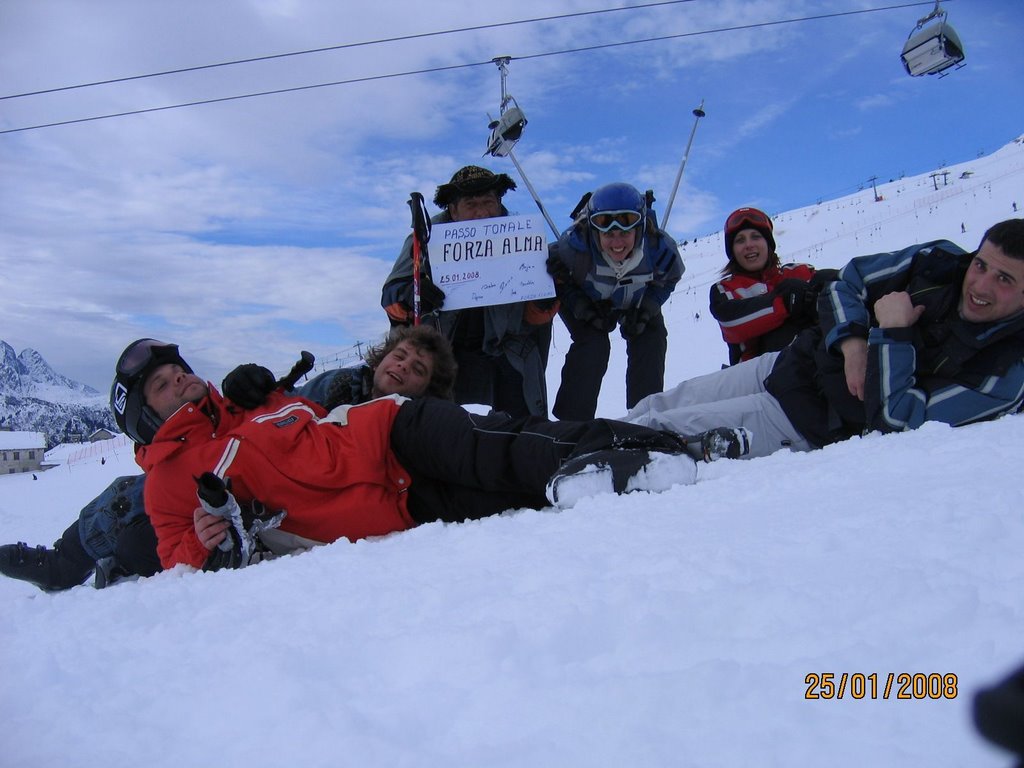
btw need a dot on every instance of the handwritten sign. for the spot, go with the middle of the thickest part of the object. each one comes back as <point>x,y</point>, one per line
<point>490,261</point>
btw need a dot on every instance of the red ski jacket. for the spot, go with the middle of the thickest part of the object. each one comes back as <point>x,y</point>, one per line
<point>753,320</point>
<point>334,481</point>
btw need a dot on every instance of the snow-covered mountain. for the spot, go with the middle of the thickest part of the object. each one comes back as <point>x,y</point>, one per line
<point>27,374</point>
<point>36,398</point>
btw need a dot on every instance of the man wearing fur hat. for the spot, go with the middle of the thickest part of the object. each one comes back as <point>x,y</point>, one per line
<point>501,350</point>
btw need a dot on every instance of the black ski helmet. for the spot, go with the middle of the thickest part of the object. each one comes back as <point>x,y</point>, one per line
<point>139,359</point>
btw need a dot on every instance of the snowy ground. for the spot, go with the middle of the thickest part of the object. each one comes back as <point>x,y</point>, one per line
<point>676,629</point>
<point>670,629</point>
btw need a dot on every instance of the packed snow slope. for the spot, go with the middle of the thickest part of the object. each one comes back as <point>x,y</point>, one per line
<point>673,629</point>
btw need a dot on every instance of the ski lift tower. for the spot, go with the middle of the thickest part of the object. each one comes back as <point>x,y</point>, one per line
<point>506,132</point>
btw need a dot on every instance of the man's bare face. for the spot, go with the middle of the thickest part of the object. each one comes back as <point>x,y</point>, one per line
<point>483,206</point>
<point>993,287</point>
<point>405,370</point>
<point>169,387</point>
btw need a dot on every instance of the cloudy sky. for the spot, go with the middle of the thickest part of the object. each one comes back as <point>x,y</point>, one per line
<point>249,229</point>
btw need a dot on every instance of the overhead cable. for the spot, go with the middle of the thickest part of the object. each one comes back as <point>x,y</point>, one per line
<point>451,67</point>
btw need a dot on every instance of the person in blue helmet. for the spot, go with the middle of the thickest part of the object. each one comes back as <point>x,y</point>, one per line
<point>612,268</point>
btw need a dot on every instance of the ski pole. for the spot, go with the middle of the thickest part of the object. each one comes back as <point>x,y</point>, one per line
<point>215,499</point>
<point>533,193</point>
<point>420,238</point>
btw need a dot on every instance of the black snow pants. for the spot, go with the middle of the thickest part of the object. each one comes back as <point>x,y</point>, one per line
<point>586,363</point>
<point>466,466</point>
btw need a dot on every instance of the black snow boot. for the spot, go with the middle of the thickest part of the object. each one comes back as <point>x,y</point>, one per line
<point>719,443</point>
<point>52,570</point>
<point>110,570</point>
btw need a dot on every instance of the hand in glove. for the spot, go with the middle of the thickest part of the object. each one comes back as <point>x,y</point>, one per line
<point>249,385</point>
<point>800,298</point>
<point>634,321</point>
<point>823,277</point>
<point>558,270</point>
<point>597,314</point>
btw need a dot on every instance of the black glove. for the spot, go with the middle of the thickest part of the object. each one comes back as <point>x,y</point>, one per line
<point>350,387</point>
<point>231,558</point>
<point>823,277</point>
<point>597,314</point>
<point>799,296</point>
<point>634,321</point>
<point>249,385</point>
<point>558,270</point>
<point>431,297</point>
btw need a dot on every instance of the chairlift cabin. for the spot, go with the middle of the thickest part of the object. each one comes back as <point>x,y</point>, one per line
<point>506,131</point>
<point>933,46</point>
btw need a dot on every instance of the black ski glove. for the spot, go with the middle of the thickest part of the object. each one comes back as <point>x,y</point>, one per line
<point>558,270</point>
<point>350,387</point>
<point>823,277</point>
<point>597,314</point>
<point>249,385</point>
<point>431,297</point>
<point>799,297</point>
<point>634,321</point>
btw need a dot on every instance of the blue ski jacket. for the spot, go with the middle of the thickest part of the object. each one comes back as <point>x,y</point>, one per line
<point>653,278</point>
<point>942,368</point>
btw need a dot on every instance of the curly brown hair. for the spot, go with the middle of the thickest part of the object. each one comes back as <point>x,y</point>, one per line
<point>425,339</point>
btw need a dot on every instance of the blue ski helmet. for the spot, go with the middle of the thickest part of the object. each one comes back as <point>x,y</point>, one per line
<point>139,359</point>
<point>616,206</point>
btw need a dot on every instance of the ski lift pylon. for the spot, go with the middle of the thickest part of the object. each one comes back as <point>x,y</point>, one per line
<point>933,46</point>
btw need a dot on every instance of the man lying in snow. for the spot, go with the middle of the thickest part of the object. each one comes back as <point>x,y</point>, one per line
<point>364,470</point>
<point>112,534</point>
<point>929,333</point>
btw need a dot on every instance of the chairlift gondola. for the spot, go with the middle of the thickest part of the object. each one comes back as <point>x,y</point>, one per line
<point>933,46</point>
<point>506,132</point>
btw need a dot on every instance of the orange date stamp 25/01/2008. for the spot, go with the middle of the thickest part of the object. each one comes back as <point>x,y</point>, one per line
<point>901,685</point>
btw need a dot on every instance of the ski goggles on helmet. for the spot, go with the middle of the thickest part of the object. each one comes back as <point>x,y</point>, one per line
<point>139,355</point>
<point>140,358</point>
<point>747,218</point>
<point>605,221</point>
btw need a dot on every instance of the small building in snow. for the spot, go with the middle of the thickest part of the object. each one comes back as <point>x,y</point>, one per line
<point>21,452</point>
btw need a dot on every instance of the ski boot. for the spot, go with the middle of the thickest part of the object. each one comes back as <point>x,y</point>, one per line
<point>110,571</point>
<point>719,443</point>
<point>52,570</point>
<point>616,470</point>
